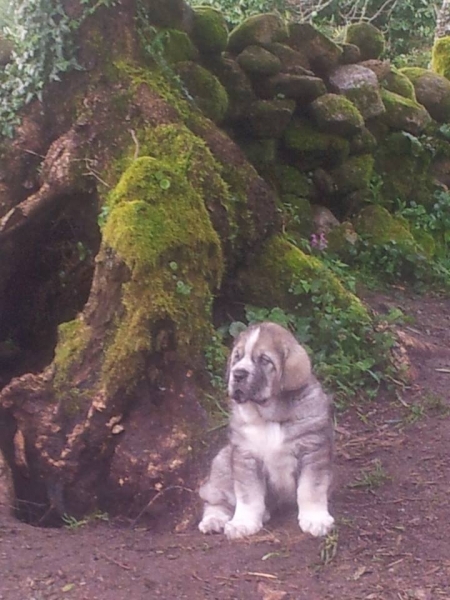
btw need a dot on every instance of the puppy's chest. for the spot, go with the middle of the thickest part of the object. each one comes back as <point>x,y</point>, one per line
<point>264,440</point>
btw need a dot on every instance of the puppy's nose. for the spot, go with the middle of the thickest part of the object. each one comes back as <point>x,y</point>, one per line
<point>240,375</point>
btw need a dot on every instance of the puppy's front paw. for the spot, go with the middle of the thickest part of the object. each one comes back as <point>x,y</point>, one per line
<point>214,522</point>
<point>315,521</point>
<point>237,529</point>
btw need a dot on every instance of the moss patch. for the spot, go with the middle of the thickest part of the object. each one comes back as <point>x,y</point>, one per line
<point>396,81</point>
<point>336,114</point>
<point>159,226</point>
<point>310,148</point>
<point>354,174</point>
<point>259,30</point>
<point>368,38</point>
<point>403,113</point>
<point>207,91</point>
<point>440,57</point>
<point>177,46</point>
<point>210,31</point>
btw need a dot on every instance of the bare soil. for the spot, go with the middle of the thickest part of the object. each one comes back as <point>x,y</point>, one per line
<point>391,503</point>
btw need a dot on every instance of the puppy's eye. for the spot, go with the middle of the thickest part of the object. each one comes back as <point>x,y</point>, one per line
<point>265,360</point>
<point>237,356</point>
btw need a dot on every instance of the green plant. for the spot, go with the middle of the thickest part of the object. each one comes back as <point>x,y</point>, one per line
<point>44,48</point>
<point>371,478</point>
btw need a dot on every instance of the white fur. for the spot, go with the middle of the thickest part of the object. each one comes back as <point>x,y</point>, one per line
<point>247,520</point>
<point>313,515</point>
<point>246,361</point>
<point>214,519</point>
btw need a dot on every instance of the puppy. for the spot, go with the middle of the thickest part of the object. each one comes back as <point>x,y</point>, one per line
<point>280,439</point>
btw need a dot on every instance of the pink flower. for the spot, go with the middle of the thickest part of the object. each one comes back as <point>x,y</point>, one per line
<point>318,242</point>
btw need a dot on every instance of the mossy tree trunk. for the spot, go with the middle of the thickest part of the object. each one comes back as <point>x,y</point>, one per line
<point>103,328</point>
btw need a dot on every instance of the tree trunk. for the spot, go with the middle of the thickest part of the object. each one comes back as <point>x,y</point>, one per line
<point>443,20</point>
<point>105,411</point>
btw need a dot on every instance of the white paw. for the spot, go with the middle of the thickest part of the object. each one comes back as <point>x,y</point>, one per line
<point>237,529</point>
<point>315,521</point>
<point>214,523</point>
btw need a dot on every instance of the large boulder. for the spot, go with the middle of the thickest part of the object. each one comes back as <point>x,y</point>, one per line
<point>404,114</point>
<point>323,55</point>
<point>210,31</point>
<point>360,85</point>
<point>353,175</point>
<point>368,38</point>
<point>336,114</point>
<point>257,30</point>
<point>178,47</point>
<point>432,90</point>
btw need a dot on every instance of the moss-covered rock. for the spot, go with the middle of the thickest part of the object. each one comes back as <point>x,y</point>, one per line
<point>354,174</point>
<point>269,118</point>
<point>275,277</point>
<point>432,91</point>
<point>159,226</point>
<point>261,153</point>
<point>207,91</point>
<point>342,240</point>
<point>395,81</point>
<point>323,219</point>
<point>364,142</point>
<point>291,60</point>
<point>178,46</point>
<point>440,57</point>
<point>255,60</point>
<point>403,164</point>
<point>210,31</point>
<point>337,115</point>
<point>404,114</point>
<point>351,54</point>
<point>368,38</point>
<point>257,30</point>
<point>302,88</point>
<point>380,67</point>
<point>176,14</point>
<point>292,181</point>
<point>310,148</point>
<point>297,216</point>
<point>378,225</point>
<point>236,83</point>
<point>323,54</point>
<point>360,85</point>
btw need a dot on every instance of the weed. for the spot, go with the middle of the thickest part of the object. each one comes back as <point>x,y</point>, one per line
<point>415,412</point>
<point>329,547</point>
<point>73,523</point>
<point>372,478</point>
<point>435,403</point>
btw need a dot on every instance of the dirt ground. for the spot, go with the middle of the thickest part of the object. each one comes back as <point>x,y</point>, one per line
<point>391,503</point>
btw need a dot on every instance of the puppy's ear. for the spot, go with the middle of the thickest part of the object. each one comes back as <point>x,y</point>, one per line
<point>296,368</point>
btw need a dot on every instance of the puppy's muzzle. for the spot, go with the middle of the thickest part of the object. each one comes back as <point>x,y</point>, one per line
<point>239,377</point>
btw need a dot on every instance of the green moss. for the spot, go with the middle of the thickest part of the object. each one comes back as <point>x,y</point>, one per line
<point>377,223</point>
<point>207,91</point>
<point>342,239</point>
<point>260,152</point>
<point>403,113</point>
<point>368,38</point>
<point>354,174</point>
<point>298,219</point>
<point>73,338</point>
<point>257,30</point>
<point>292,181</point>
<point>210,31</point>
<point>269,118</point>
<point>278,272</point>
<point>440,57</point>
<point>403,164</point>
<point>432,90</point>
<point>396,81</point>
<point>177,46</point>
<point>258,61</point>
<point>310,148</point>
<point>159,226</point>
<point>336,114</point>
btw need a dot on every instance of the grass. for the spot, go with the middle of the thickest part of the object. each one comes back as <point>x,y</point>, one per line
<point>373,478</point>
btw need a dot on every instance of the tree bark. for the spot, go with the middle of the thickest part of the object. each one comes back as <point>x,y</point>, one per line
<point>443,20</point>
<point>74,440</point>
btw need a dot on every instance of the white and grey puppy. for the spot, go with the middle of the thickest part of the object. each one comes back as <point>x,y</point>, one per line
<point>280,439</point>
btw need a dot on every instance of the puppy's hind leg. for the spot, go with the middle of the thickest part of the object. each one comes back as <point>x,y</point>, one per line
<point>218,494</point>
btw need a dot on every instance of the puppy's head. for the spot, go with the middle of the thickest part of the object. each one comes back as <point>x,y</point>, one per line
<point>266,360</point>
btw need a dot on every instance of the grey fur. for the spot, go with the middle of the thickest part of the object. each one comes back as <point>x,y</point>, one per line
<point>280,439</point>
